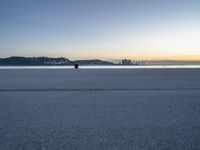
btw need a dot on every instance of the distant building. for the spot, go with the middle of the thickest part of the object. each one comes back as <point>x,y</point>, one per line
<point>129,62</point>
<point>56,62</point>
<point>141,63</point>
<point>126,62</point>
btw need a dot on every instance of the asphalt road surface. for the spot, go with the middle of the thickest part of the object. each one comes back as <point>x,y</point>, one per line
<point>105,109</point>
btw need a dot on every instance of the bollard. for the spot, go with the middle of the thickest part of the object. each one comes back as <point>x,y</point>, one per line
<point>75,66</point>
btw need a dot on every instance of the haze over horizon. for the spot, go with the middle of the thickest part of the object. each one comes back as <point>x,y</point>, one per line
<point>102,29</point>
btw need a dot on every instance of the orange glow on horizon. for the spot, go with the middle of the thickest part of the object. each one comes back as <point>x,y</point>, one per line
<point>143,57</point>
<point>168,57</point>
<point>118,55</point>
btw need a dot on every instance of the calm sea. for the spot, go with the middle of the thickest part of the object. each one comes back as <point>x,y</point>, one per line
<point>101,67</point>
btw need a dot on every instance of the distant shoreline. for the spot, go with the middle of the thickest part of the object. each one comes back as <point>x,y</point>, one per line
<point>61,61</point>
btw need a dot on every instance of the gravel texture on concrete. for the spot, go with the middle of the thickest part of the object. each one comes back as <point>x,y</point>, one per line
<point>100,109</point>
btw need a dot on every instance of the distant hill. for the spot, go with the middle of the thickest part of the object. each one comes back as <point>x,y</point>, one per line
<point>33,61</point>
<point>47,61</point>
<point>93,62</point>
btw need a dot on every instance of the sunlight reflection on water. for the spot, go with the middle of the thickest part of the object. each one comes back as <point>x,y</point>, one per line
<point>101,67</point>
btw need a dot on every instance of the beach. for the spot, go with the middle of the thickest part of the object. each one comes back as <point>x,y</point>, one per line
<point>95,109</point>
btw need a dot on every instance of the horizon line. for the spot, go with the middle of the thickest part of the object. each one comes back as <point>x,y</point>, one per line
<point>110,59</point>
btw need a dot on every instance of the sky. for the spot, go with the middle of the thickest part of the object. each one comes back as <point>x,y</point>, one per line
<point>101,29</point>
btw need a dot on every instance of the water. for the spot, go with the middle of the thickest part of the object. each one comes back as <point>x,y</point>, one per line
<point>102,67</point>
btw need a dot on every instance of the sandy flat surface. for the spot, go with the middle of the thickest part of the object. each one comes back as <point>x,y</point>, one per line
<point>122,109</point>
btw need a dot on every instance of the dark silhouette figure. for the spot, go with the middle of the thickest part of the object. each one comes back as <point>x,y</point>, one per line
<point>75,66</point>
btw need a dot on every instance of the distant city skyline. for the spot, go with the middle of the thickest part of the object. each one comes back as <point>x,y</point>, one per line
<point>101,29</point>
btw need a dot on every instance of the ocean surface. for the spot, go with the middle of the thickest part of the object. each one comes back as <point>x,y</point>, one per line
<point>101,67</point>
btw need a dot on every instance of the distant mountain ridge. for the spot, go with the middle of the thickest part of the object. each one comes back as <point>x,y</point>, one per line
<point>93,62</point>
<point>48,61</point>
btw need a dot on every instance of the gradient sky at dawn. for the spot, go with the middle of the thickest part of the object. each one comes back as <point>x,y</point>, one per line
<point>103,29</point>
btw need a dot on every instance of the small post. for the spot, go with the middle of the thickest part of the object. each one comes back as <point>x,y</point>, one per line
<point>75,66</point>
